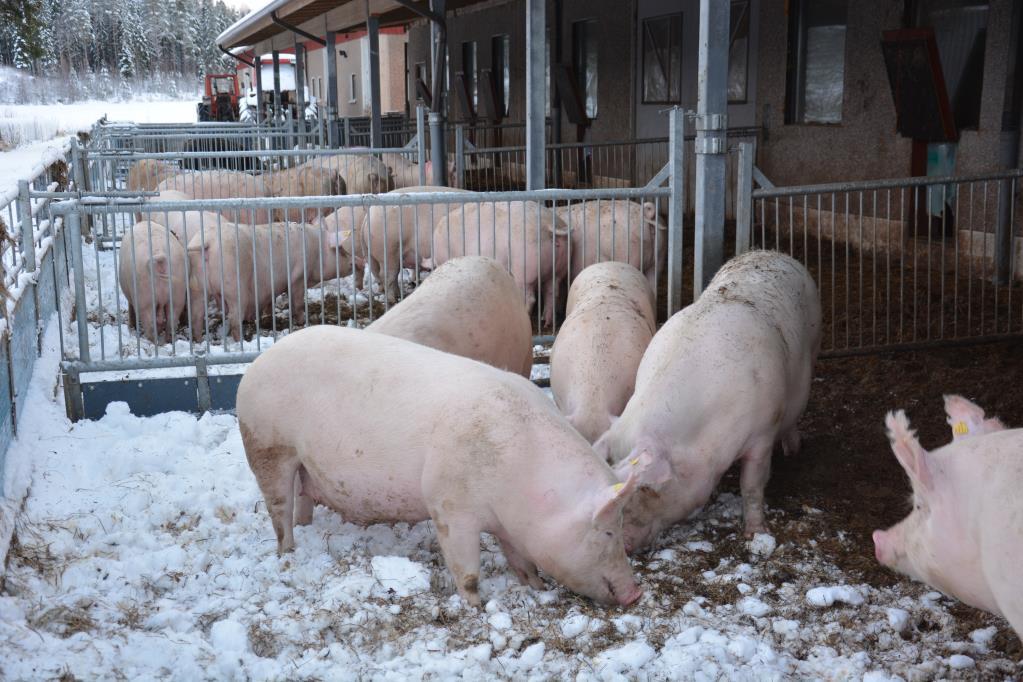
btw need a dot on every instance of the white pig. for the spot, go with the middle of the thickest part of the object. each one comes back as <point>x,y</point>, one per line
<point>151,273</point>
<point>471,307</point>
<point>523,236</point>
<point>221,184</point>
<point>965,533</point>
<point>397,237</point>
<point>967,419</point>
<point>609,322</point>
<point>616,230</point>
<point>428,434</point>
<point>722,381</point>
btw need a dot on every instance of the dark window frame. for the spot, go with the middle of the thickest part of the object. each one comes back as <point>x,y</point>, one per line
<point>500,69</point>
<point>795,76</point>
<point>583,38</point>
<point>642,50</point>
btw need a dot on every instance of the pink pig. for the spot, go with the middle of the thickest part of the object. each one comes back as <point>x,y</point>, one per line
<point>967,419</point>
<point>965,533</point>
<point>151,272</point>
<point>524,236</point>
<point>723,381</point>
<point>431,435</point>
<point>471,307</point>
<point>609,322</point>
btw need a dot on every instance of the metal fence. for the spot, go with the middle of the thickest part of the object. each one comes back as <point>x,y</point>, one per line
<point>903,263</point>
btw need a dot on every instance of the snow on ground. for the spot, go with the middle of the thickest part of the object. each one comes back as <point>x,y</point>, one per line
<point>28,131</point>
<point>145,551</point>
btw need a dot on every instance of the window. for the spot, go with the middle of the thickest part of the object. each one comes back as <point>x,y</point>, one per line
<point>960,31</point>
<point>816,61</point>
<point>500,63</point>
<point>469,72</point>
<point>662,59</point>
<point>584,61</point>
<point>351,88</point>
<point>738,52</point>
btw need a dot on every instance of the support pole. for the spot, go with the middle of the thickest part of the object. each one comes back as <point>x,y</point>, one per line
<point>375,133</point>
<point>555,95</point>
<point>676,208</point>
<point>1008,152</point>
<point>260,113</point>
<point>28,246</point>
<point>536,93</point>
<point>744,199</point>
<point>300,91</point>
<point>421,142</point>
<point>330,68</point>
<point>277,85</point>
<point>711,126</point>
<point>460,156</point>
<point>438,150</point>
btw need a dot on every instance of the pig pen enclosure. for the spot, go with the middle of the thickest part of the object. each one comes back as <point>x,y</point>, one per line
<point>144,548</point>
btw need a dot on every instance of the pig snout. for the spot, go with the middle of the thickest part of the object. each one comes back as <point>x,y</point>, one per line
<point>630,596</point>
<point>880,546</point>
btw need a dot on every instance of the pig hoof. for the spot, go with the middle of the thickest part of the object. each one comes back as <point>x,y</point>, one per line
<point>754,528</point>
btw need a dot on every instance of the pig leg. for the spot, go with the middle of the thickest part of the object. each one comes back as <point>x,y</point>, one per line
<point>304,503</point>
<point>276,473</point>
<point>791,441</point>
<point>523,569</point>
<point>131,317</point>
<point>756,469</point>
<point>549,299</point>
<point>459,538</point>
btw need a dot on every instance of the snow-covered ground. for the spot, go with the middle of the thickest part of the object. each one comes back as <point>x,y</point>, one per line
<point>27,131</point>
<point>144,551</point>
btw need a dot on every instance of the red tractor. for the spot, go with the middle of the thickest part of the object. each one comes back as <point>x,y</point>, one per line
<point>220,103</point>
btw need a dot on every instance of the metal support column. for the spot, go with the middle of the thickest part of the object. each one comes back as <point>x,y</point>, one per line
<point>744,199</point>
<point>277,86</point>
<point>300,92</point>
<point>421,142</point>
<point>556,171</point>
<point>439,40</point>
<point>330,68</point>
<point>1008,150</point>
<point>460,156</point>
<point>260,113</point>
<point>676,207</point>
<point>28,247</point>
<point>375,133</point>
<point>74,223</point>
<point>711,126</point>
<point>536,92</point>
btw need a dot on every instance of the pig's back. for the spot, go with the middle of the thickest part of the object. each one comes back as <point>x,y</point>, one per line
<point>365,412</point>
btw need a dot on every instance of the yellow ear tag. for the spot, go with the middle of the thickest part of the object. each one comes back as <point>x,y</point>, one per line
<point>634,461</point>
<point>617,487</point>
<point>960,429</point>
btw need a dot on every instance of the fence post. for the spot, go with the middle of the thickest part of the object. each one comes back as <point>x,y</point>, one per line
<point>676,208</point>
<point>28,251</point>
<point>744,199</point>
<point>73,403</point>
<point>421,142</point>
<point>77,262</point>
<point>460,156</point>
<point>202,384</point>
<point>347,139</point>
<point>83,182</point>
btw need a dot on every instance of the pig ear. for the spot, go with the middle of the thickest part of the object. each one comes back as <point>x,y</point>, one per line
<point>651,468</point>
<point>611,499</point>
<point>967,418</point>
<point>908,450</point>
<point>339,239</point>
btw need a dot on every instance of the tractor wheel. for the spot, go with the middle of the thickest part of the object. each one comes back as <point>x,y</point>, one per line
<point>203,110</point>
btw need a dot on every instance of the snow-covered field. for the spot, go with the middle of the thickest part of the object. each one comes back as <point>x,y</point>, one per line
<point>27,131</point>
<point>145,551</point>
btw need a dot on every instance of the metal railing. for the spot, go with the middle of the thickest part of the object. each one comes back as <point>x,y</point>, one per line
<point>902,263</point>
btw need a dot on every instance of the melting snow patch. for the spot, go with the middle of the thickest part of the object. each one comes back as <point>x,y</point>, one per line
<point>632,656</point>
<point>754,607</point>
<point>399,575</point>
<point>960,662</point>
<point>700,546</point>
<point>983,636</point>
<point>898,619</point>
<point>574,625</point>
<point>229,636</point>
<point>826,596</point>
<point>763,544</point>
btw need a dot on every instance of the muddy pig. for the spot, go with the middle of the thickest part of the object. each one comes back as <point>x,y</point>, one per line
<point>496,457</point>
<point>721,382</point>
<point>609,322</point>
<point>471,307</point>
<point>965,533</point>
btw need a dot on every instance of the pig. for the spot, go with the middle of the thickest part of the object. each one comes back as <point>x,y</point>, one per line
<point>471,307</point>
<point>608,324</point>
<point>146,174</point>
<point>303,181</point>
<point>496,457</point>
<point>348,220</point>
<point>624,231</point>
<point>152,276</point>
<point>722,381</point>
<point>964,535</point>
<point>404,171</point>
<point>361,173</point>
<point>245,267</point>
<point>522,235</point>
<point>221,184</point>
<point>399,237</point>
<point>967,419</point>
